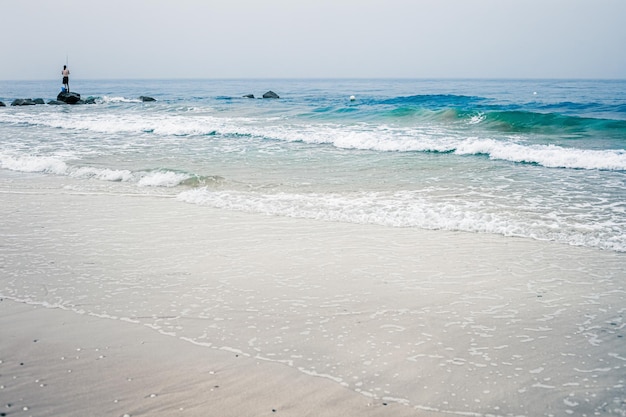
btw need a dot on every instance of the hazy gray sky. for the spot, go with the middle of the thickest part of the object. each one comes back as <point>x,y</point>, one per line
<point>313,38</point>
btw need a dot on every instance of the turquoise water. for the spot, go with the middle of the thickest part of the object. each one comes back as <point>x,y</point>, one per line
<point>542,159</point>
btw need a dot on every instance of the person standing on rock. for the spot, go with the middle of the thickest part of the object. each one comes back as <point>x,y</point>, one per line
<point>66,78</point>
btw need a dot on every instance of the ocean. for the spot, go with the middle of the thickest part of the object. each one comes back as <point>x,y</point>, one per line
<point>538,159</point>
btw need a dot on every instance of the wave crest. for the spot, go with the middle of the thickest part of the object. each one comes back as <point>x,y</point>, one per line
<point>550,156</point>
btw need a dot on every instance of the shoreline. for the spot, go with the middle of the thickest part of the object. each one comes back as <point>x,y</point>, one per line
<point>305,317</point>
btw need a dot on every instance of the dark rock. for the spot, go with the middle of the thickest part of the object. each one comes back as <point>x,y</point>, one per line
<point>146,98</point>
<point>249,96</point>
<point>69,98</point>
<point>2,104</point>
<point>55,102</point>
<point>23,102</point>
<point>39,101</point>
<point>270,94</point>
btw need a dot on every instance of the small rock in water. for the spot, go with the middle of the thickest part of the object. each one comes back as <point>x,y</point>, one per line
<point>270,94</point>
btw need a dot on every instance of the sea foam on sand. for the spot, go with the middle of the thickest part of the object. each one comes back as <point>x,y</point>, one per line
<point>58,363</point>
<point>138,305</point>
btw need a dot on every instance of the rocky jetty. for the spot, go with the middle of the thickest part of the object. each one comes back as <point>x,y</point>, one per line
<point>65,97</point>
<point>23,102</point>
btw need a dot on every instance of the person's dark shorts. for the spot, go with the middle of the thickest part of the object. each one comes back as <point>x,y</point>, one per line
<point>65,80</point>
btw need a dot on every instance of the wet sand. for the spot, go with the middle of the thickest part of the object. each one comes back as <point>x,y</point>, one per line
<point>123,304</point>
<point>58,363</point>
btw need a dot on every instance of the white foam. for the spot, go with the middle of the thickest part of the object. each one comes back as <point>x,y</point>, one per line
<point>432,139</point>
<point>162,179</point>
<point>127,122</point>
<point>28,163</point>
<point>547,155</point>
<point>400,209</point>
<point>116,99</point>
<point>102,174</point>
<point>56,166</point>
<point>363,136</point>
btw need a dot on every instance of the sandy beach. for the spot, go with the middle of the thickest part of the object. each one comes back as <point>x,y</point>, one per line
<point>146,306</point>
<point>57,363</point>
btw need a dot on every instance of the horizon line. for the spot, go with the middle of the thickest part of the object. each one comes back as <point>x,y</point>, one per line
<point>327,78</point>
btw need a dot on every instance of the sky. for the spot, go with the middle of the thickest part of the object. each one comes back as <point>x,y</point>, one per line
<point>127,39</point>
